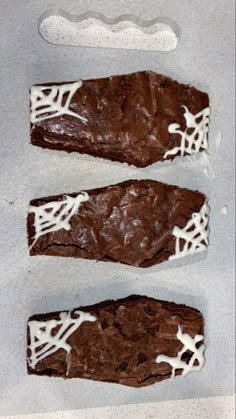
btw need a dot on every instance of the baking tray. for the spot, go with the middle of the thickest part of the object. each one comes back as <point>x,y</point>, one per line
<point>204,57</point>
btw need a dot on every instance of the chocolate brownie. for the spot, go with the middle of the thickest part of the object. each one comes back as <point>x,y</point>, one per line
<point>137,222</point>
<point>135,341</point>
<point>139,118</point>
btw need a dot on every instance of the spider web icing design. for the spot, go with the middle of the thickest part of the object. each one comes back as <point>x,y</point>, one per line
<point>43,104</point>
<point>195,234</point>
<point>191,143</point>
<point>189,344</point>
<point>44,343</point>
<point>55,215</point>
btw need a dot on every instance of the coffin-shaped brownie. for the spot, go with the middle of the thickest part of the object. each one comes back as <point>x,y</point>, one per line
<point>135,341</point>
<point>139,118</point>
<point>137,222</point>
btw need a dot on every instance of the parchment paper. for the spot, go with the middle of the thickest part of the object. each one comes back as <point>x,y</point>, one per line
<point>205,58</point>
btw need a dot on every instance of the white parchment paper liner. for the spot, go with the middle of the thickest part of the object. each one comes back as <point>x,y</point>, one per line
<point>204,58</point>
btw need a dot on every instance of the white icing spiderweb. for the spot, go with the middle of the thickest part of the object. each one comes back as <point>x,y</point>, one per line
<point>44,342</point>
<point>189,345</point>
<point>49,105</point>
<point>198,137</point>
<point>55,215</point>
<point>195,234</point>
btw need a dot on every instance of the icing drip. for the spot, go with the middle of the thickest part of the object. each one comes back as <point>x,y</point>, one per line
<point>195,234</point>
<point>54,216</point>
<point>218,143</point>
<point>189,344</point>
<point>42,104</point>
<point>191,143</point>
<point>44,343</point>
<point>225,210</point>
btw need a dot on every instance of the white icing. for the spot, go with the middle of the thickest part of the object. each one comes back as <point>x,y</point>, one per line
<point>44,343</point>
<point>218,143</point>
<point>189,344</point>
<point>225,210</point>
<point>93,29</point>
<point>42,104</point>
<point>198,139</point>
<point>195,234</point>
<point>55,215</point>
<point>205,162</point>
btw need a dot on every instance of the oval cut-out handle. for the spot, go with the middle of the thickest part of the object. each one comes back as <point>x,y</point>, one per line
<point>93,29</point>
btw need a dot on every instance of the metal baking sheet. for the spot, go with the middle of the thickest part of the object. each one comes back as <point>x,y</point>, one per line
<point>204,57</point>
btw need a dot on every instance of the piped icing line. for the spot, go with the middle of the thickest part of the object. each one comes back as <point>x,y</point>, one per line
<point>55,215</point>
<point>189,344</point>
<point>43,104</point>
<point>191,143</point>
<point>44,343</point>
<point>195,234</point>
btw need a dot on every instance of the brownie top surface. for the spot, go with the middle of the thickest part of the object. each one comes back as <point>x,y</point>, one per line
<point>131,222</point>
<point>119,341</point>
<point>124,118</point>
